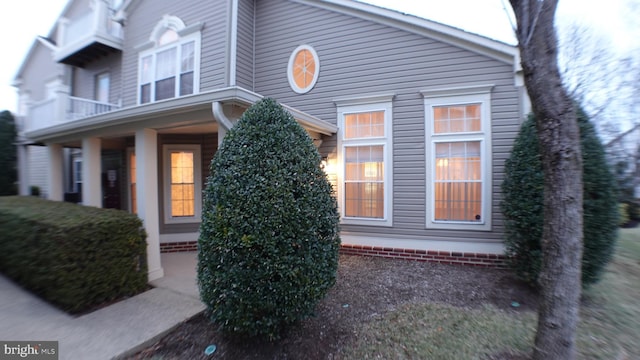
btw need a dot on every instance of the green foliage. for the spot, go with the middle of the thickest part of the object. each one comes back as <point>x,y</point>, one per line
<point>522,206</point>
<point>8,154</point>
<point>623,213</point>
<point>73,256</point>
<point>268,246</point>
<point>34,190</point>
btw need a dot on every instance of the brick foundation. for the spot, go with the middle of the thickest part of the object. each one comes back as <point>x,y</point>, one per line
<point>178,246</point>
<point>442,257</point>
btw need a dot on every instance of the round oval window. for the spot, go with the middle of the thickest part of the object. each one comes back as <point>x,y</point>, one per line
<point>303,69</point>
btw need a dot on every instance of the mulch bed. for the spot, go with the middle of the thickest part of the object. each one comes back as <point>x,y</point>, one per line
<point>367,288</point>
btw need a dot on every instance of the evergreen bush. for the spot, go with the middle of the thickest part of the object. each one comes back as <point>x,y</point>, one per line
<point>75,257</point>
<point>268,246</point>
<point>522,205</point>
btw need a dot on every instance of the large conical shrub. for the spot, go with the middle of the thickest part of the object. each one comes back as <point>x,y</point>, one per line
<point>268,246</point>
<point>522,206</point>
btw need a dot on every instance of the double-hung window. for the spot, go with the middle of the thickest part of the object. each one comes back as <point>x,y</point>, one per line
<point>458,158</point>
<point>365,185</point>
<point>170,68</point>
<point>183,183</point>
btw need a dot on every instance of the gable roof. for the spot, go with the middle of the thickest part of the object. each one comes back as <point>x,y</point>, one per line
<point>448,34</point>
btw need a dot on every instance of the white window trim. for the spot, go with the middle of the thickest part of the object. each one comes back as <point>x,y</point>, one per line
<point>77,185</point>
<point>386,141</point>
<point>187,34</point>
<point>292,81</point>
<point>447,97</point>
<point>197,179</point>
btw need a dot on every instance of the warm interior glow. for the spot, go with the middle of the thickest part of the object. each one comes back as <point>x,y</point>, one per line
<point>457,118</point>
<point>458,182</point>
<point>304,68</point>
<point>364,181</point>
<point>364,125</point>
<point>182,184</point>
<point>132,183</point>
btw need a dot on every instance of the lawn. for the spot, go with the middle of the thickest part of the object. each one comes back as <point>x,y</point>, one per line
<point>396,309</point>
<point>609,327</point>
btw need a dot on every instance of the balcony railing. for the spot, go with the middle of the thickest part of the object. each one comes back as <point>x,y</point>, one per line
<point>83,26</point>
<point>81,108</point>
<point>87,37</point>
<point>64,109</point>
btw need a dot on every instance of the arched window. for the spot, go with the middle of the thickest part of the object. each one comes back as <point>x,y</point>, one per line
<point>169,64</point>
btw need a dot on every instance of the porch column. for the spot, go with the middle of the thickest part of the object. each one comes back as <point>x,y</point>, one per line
<point>147,196</point>
<point>55,175</point>
<point>91,172</point>
<point>23,170</point>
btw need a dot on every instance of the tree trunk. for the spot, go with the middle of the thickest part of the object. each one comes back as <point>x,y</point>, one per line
<point>559,137</point>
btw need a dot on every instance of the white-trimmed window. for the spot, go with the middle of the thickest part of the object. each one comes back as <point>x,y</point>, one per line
<point>169,66</point>
<point>182,183</point>
<point>77,175</point>
<point>132,180</point>
<point>303,69</point>
<point>102,85</point>
<point>365,184</point>
<point>458,158</point>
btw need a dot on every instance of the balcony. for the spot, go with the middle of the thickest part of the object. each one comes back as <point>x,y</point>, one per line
<point>63,109</point>
<point>89,37</point>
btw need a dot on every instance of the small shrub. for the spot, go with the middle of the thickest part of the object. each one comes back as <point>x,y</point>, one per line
<point>623,213</point>
<point>522,206</point>
<point>34,190</point>
<point>268,246</point>
<point>73,256</point>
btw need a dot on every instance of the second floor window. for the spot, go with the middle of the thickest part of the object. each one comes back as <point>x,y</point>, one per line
<point>170,68</point>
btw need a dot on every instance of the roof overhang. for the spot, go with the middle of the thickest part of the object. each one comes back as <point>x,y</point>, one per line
<point>173,112</point>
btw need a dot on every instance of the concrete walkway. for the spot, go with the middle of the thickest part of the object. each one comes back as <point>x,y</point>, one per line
<point>109,332</point>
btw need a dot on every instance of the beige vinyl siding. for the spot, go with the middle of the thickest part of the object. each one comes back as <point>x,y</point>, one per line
<point>360,57</point>
<point>39,168</point>
<point>84,79</point>
<point>244,62</point>
<point>143,17</point>
<point>38,70</point>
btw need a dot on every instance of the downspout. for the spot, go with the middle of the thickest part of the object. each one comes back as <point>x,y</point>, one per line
<point>233,43</point>
<point>223,120</point>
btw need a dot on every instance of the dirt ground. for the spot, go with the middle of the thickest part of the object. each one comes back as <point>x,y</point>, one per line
<point>366,289</point>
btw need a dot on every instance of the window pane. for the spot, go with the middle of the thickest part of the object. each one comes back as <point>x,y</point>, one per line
<point>165,89</point>
<point>182,184</point>
<point>166,64</point>
<point>304,68</point>
<point>364,125</point>
<point>145,70</point>
<point>458,118</point>
<point>364,181</point>
<point>145,93</point>
<point>168,37</point>
<point>188,57</point>
<point>458,181</point>
<point>102,88</point>
<point>132,183</point>
<point>186,83</point>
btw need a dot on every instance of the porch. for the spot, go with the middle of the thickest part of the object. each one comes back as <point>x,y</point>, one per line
<point>179,273</point>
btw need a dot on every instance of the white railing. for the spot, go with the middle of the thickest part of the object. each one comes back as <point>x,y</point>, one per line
<point>62,109</point>
<point>81,108</point>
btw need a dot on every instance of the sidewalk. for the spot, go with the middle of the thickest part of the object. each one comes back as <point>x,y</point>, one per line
<point>113,330</point>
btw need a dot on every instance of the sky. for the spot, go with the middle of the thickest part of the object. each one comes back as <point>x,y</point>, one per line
<point>25,19</point>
